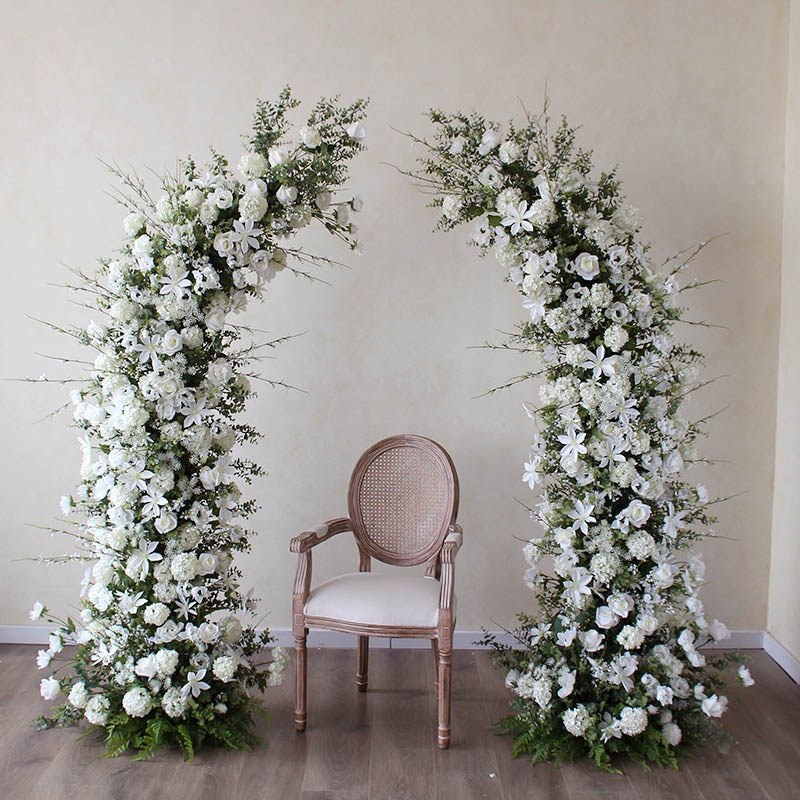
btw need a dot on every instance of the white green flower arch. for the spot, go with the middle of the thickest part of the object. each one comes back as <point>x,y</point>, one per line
<point>162,656</point>
<point>608,663</point>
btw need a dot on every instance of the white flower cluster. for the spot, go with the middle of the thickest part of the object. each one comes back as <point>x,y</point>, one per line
<point>622,617</point>
<point>160,490</point>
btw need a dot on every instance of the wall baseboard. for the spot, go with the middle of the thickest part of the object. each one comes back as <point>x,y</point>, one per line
<point>782,657</point>
<point>462,640</point>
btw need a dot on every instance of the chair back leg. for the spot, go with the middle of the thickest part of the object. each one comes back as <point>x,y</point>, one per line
<point>300,680</point>
<point>435,650</point>
<point>445,653</point>
<point>363,663</point>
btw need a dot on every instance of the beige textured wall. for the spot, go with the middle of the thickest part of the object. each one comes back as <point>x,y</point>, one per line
<point>688,97</point>
<point>784,594</point>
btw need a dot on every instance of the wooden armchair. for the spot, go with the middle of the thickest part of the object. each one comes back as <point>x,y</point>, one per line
<point>403,501</point>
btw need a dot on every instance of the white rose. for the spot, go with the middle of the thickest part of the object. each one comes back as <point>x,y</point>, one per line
<point>215,319</point>
<point>133,223</point>
<point>194,198</point>
<point>223,244</point>
<point>509,151</point>
<point>744,676</point>
<point>647,624</point>
<point>637,513</point>
<point>278,155</point>
<point>587,266</point>
<point>719,630</point>
<point>171,342</point>
<point>208,632</point>
<point>166,522</point>
<point>592,640</point>
<point>142,247</point>
<point>37,610</point>
<point>206,563</point>
<point>605,617</point>
<point>223,198</point>
<point>490,177</point>
<point>323,201</point>
<point>146,667</point>
<point>621,604</point>
<point>664,695</point>
<point>357,132</point>
<point>310,137</point>
<point>286,195</point>
<point>49,688</point>
<point>673,462</point>
<point>489,141</point>
<point>714,706</point>
<point>457,146</point>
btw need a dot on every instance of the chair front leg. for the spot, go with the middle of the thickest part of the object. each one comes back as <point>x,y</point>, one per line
<point>363,663</point>
<point>445,647</point>
<point>301,589</point>
<point>300,681</point>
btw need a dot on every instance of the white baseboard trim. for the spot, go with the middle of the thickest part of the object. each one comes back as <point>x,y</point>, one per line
<point>462,640</point>
<point>782,657</point>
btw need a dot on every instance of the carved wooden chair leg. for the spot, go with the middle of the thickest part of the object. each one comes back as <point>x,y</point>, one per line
<point>435,649</point>
<point>363,663</point>
<point>300,682</point>
<point>445,652</point>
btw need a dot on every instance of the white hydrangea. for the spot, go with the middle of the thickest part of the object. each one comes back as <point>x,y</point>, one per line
<point>137,702</point>
<point>78,696</point>
<point>633,721</point>
<point>184,566</point>
<point>174,703</point>
<point>156,614</point>
<point>97,708</point>
<point>225,668</point>
<point>577,720</point>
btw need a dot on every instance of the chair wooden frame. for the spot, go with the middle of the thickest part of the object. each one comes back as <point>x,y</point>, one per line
<point>438,555</point>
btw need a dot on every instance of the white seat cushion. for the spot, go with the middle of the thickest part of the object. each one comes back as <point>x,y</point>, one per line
<point>372,598</point>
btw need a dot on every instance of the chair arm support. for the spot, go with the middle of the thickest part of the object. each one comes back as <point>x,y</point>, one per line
<point>450,547</point>
<point>302,545</point>
<point>308,539</point>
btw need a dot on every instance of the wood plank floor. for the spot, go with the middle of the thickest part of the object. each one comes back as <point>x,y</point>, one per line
<point>381,745</point>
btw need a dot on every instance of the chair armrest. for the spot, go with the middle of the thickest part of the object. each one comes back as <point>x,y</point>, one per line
<point>450,547</point>
<point>452,543</point>
<point>308,539</point>
<point>302,545</point>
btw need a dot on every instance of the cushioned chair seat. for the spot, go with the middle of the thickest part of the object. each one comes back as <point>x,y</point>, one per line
<point>372,598</point>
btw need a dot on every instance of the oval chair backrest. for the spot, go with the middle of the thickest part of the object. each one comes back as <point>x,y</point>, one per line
<point>402,499</point>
